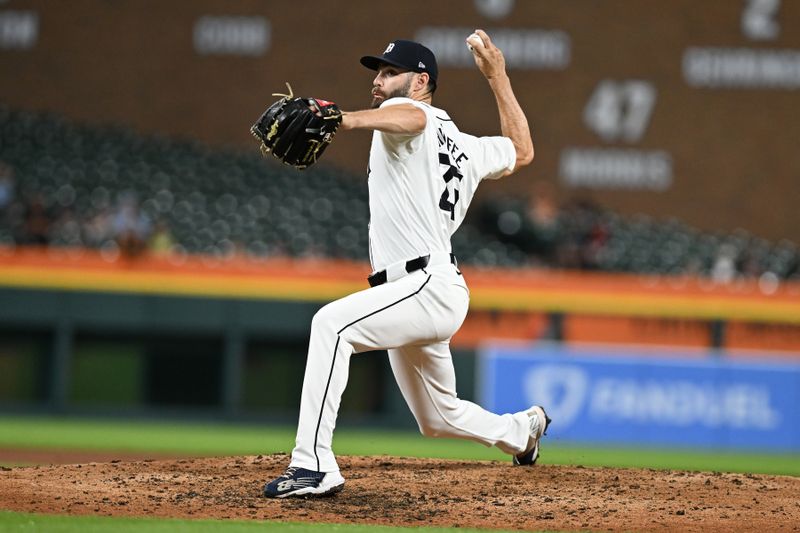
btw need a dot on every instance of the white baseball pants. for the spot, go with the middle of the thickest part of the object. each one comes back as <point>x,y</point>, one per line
<point>413,318</point>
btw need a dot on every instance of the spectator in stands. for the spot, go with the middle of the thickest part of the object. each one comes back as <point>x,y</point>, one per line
<point>6,187</point>
<point>749,263</point>
<point>585,235</point>
<point>724,267</point>
<point>10,210</point>
<point>532,225</point>
<point>542,221</point>
<point>131,227</point>
<point>161,241</point>
<point>97,229</point>
<point>36,222</point>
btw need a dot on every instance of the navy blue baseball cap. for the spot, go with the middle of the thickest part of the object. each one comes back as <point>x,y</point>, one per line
<point>409,55</point>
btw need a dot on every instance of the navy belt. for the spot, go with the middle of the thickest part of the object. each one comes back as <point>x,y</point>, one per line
<point>379,278</point>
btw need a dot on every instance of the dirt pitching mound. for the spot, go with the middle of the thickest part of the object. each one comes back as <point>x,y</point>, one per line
<point>415,492</point>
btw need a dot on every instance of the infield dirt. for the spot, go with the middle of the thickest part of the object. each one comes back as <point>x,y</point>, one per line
<point>415,492</point>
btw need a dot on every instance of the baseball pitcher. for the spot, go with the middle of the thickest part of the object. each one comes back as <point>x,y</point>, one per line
<point>423,173</point>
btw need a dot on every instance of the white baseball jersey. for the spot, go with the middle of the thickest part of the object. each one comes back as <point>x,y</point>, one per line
<point>420,186</point>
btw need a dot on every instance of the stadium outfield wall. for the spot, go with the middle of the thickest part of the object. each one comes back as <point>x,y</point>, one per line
<point>218,333</point>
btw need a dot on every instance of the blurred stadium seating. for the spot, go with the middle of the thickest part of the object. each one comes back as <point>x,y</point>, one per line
<point>584,236</point>
<point>212,202</point>
<point>91,184</point>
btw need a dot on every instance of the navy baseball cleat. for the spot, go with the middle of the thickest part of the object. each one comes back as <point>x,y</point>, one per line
<point>538,426</point>
<point>301,482</point>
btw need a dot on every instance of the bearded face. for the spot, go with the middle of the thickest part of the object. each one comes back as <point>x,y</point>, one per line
<point>390,86</point>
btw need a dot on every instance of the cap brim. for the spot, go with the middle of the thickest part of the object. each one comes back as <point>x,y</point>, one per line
<point>373,62</point>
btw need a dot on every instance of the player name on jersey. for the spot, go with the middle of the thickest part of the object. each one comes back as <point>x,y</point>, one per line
<point>457,155</point>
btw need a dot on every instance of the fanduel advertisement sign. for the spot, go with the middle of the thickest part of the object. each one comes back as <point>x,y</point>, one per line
<point>614,395</point>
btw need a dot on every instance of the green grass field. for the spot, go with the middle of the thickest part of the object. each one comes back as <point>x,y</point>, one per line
<point>238,439</point>
<point>193,439</point>
<point>24,522</point>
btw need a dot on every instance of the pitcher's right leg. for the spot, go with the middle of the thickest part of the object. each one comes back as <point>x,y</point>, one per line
<point>426,377</point>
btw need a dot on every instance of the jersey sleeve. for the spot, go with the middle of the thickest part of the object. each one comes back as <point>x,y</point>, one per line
<point>493,156</point>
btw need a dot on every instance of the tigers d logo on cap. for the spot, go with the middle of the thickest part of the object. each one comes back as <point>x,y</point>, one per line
<point>405,54</point>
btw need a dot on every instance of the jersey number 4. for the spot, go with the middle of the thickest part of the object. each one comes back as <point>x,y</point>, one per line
<point>449,197</point>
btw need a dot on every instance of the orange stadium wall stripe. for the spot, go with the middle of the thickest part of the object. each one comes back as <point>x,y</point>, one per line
<point>526,292</point>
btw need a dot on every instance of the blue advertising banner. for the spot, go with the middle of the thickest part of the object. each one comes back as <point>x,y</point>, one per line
<point>614,394</point>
